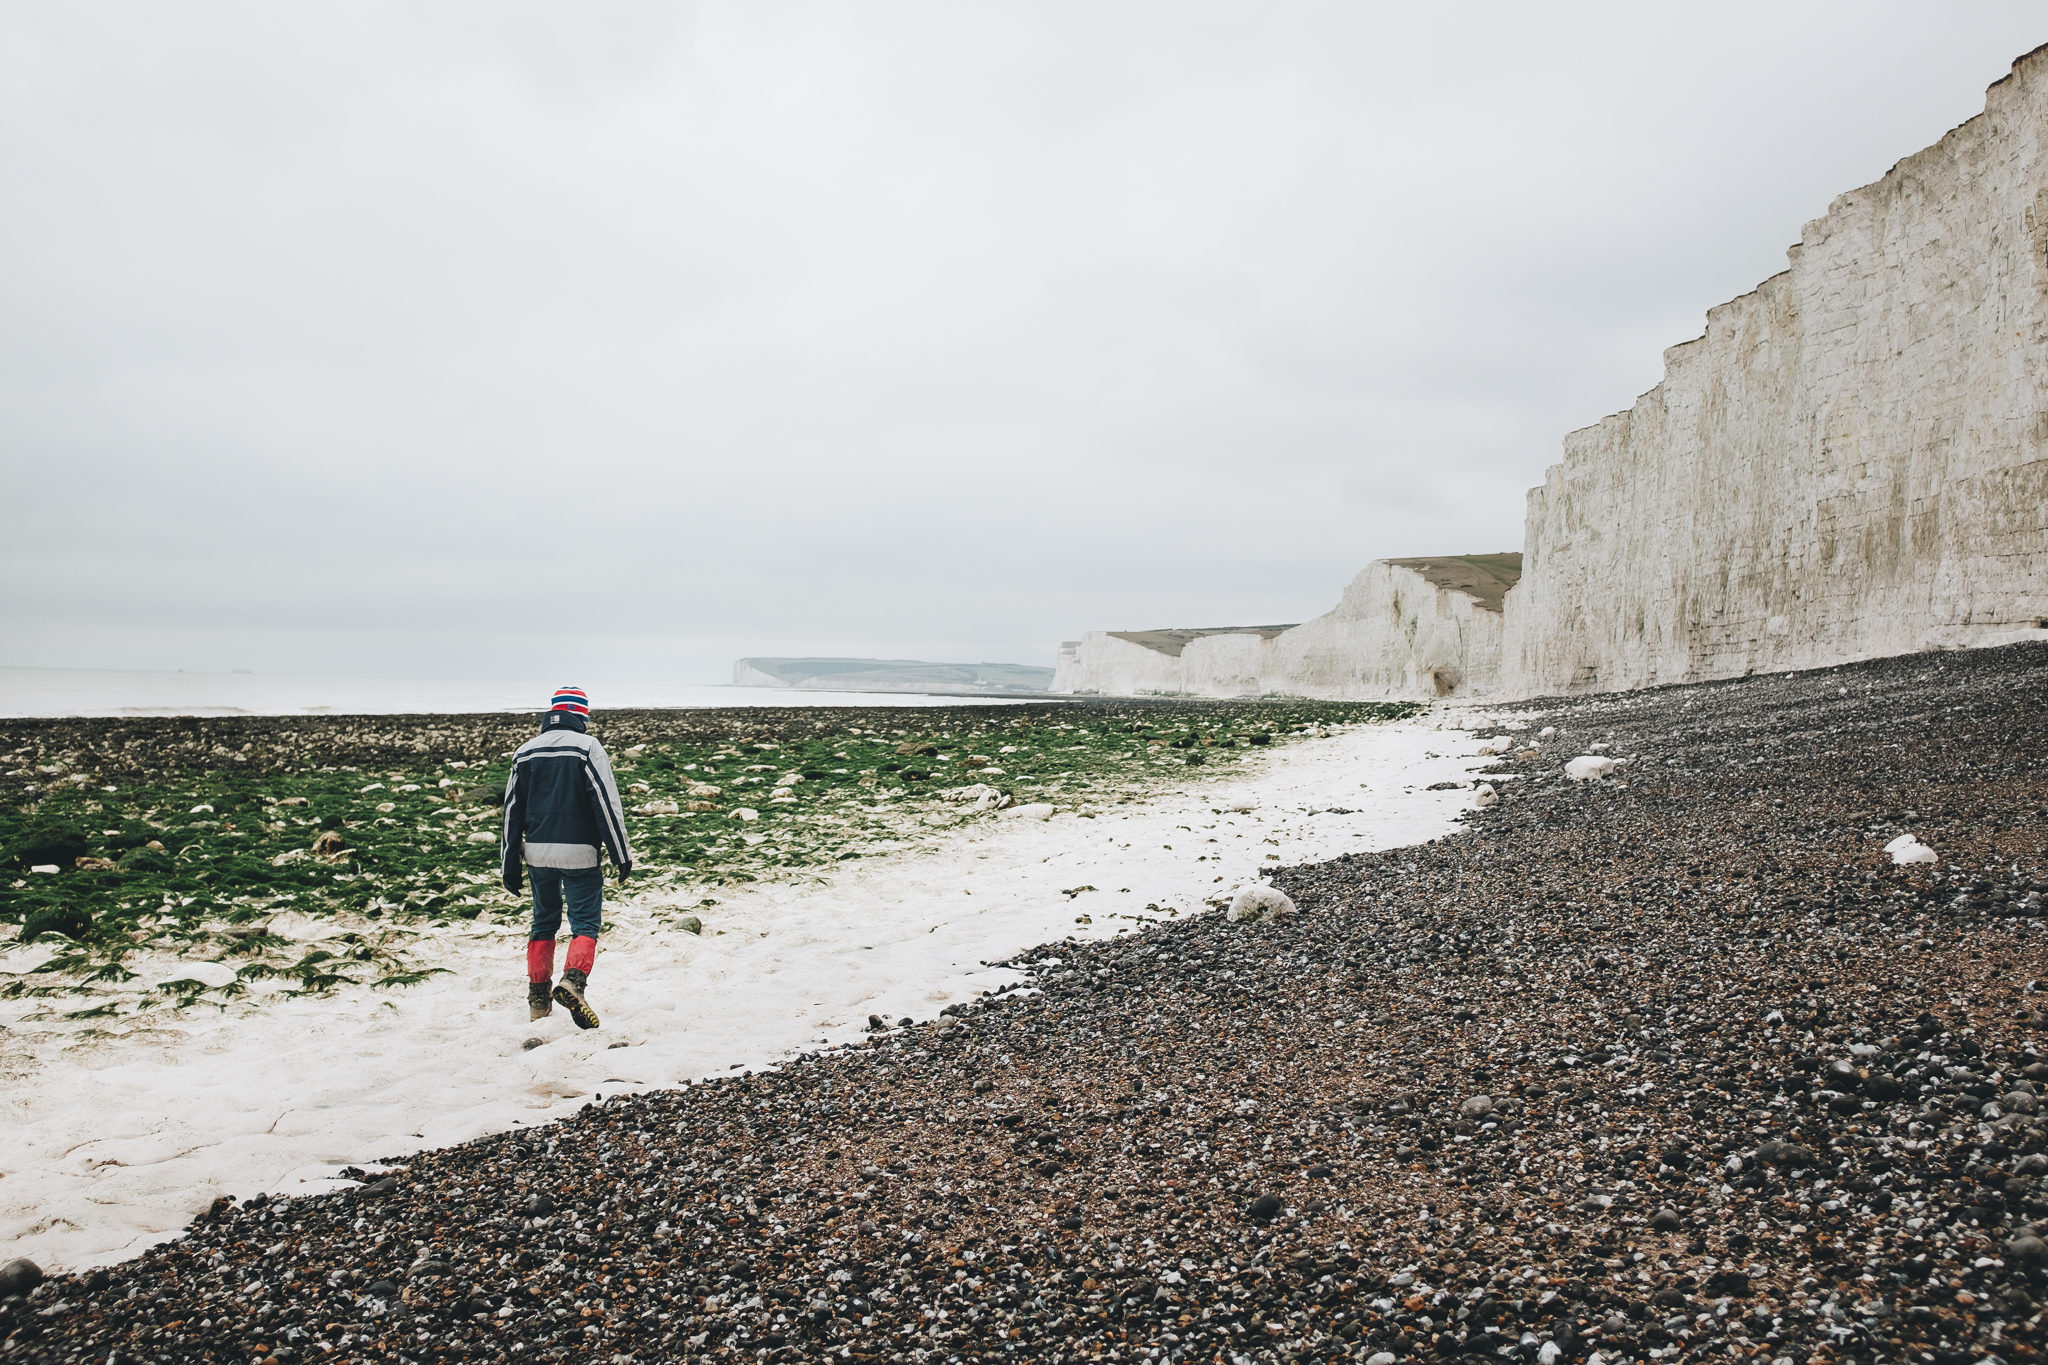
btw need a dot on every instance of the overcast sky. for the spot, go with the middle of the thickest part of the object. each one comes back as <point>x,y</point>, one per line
<point>619,340</point>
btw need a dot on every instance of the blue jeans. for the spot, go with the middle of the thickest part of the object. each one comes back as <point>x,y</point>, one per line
<point>582,887</point>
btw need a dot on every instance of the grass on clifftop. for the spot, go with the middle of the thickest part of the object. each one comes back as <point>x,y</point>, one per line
<point>193,836</point>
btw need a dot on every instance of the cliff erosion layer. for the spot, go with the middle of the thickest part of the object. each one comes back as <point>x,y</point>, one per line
<point>1851,462</point>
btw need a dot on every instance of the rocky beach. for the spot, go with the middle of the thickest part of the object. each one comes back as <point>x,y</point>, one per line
<point>238,1014</point>
<point>1673,1063</point>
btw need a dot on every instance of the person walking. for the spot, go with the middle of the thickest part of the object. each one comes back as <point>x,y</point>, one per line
<point>562,812</point>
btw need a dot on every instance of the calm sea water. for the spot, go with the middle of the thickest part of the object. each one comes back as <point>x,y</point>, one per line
<point>49,692</point>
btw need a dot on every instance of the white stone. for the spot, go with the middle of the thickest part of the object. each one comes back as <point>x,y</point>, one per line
<point>212,975</point>
<point>48,869</point>
<point>657,808</point>
<point>1259,902</point>
<point>1907,849</point>
<point>1036,810</point>
<point>977,796</point>
<point>1586,767</point>
<point>1484,795</point>
<point>746,813</point>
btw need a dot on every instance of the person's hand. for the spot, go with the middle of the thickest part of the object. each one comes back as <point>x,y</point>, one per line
<point>625,872</point>
<point>512,881</point>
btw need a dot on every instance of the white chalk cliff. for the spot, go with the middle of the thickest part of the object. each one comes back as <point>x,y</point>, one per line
<point>1403,628</point>
<point>1852,461</point>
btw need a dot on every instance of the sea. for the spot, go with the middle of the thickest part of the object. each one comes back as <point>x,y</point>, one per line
<point>61,692</point>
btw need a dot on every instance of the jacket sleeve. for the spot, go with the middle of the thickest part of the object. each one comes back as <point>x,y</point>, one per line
<point>512,841</point>
<point>611,816</point>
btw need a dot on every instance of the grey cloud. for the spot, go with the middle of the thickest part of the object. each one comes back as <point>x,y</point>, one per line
<point>360,337</point>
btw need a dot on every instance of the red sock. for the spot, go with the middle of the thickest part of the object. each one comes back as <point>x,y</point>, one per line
<point>540,959</point>
<point>582,953</point>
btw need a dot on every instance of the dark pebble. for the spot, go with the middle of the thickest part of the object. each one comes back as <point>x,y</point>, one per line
<point>19,1276</point>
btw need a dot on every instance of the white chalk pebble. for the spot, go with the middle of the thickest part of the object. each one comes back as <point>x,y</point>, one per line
<point>1907,848</point>
<point>1586,767</point>
<point>1259,902</point>
<point>1547,732</point>
<point>212,975</point>
<point>1484,795</point>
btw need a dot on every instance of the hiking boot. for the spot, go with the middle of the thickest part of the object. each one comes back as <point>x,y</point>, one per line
<point>539,1004</point>
<point>569,993</point>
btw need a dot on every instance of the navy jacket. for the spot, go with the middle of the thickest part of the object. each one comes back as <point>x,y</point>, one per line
<point>561,804</point>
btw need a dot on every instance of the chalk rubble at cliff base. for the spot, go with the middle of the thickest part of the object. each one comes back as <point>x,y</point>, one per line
<point>1675,1064</point>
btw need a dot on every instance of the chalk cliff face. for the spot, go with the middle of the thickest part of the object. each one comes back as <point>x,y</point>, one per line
<point>1403,628</point>
<point>1209,662</point>
<point>1852,461</point>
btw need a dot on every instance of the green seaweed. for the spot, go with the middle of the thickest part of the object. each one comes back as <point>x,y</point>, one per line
<point>200,832</point>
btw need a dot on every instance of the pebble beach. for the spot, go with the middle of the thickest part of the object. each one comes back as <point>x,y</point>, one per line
<point>1672,1063</point>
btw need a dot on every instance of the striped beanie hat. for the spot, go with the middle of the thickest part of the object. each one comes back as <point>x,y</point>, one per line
<point>570,699</point>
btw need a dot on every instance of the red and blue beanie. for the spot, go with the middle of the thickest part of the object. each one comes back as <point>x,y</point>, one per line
<point>570,699</point>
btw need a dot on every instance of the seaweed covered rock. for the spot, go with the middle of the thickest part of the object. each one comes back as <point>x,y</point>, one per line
<point>65,921</point>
